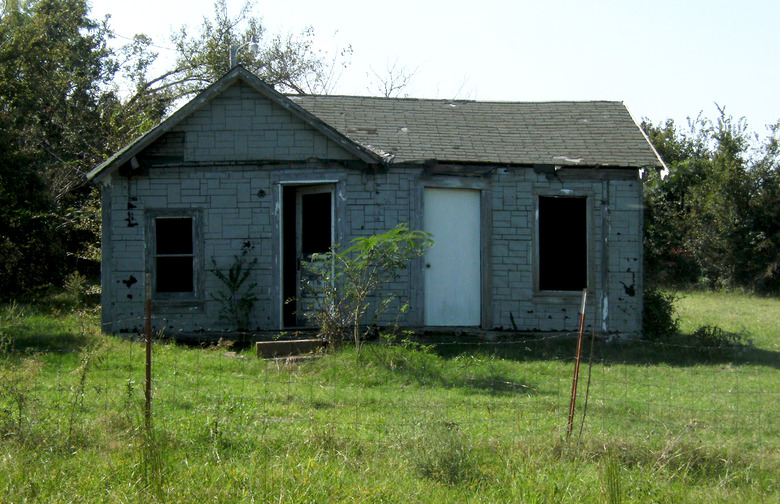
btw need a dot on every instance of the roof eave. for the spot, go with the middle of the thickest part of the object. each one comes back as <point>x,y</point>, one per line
<point>661,166</point>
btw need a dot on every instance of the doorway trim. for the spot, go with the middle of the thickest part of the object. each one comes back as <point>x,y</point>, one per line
<point>486,239</point>
<point>338,183</point>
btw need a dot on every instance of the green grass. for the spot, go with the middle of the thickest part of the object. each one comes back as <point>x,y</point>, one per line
<point>403,423</point>
<point>759,316</point>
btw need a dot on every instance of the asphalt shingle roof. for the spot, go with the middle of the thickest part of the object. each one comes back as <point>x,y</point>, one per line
<point>597,133</point>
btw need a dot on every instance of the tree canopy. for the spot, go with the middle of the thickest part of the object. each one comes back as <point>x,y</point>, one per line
<point>62,112</point>
<point>54,65</point>
<point>714,221</point>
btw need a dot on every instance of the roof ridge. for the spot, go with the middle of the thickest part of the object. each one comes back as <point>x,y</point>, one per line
<point>448,100</point>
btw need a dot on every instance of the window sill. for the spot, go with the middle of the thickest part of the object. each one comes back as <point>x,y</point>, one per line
<point>557,297</point>
<point>178,306</point>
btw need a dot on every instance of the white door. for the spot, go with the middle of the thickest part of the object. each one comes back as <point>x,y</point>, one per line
<point>452,266</point>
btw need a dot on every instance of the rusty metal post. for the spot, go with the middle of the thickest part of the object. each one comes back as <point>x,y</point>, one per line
<point>570,425</point>
<point>148,341</point>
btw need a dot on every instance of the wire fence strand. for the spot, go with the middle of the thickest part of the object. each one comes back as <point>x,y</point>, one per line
<point>510,390</point>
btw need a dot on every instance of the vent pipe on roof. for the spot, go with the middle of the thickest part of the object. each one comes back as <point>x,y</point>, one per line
<point>235,48</point>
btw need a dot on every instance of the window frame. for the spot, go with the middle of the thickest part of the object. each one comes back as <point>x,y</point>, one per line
<point>589,243</point>
<point>182,299</point>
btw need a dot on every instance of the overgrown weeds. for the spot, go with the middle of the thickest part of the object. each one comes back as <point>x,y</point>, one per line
<point>88,358</point>
<point>17,396</point>
<point>11,322</point>
<point>680,458</point>
<point>238,297</point>
<point>613,487</point>
<point>439,450</point>
<point>407,421</point>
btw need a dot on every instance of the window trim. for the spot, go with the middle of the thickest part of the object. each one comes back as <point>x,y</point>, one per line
<point>189,300</point>
<point>553,295</point>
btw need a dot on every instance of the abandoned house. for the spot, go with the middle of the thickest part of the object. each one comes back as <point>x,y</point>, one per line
<point>528,204</point>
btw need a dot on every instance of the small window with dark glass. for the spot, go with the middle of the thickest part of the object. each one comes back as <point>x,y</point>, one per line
<point>563,243</point>
<point>174,255</point>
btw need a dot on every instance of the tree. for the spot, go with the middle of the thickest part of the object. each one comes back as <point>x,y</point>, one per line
<point>54,62</point>
<point>54,66</point>
<point>711,221</point>
<point>394,81</point>
<point>289,63</point>
<point>668,257</point>
<point>62,113</point>
<point>765,212</point>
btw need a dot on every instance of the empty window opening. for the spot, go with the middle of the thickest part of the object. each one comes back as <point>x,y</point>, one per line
<point>563,243</point>
<point>174,255</point>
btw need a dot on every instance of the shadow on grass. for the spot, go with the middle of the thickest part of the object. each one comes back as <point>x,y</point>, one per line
<point>47,327</point>
<point>59,342</point>
<point>427,368</point>
<point>682,350</point>
<point>500,385</point>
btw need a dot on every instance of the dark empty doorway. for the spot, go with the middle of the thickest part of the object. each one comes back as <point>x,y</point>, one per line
<point>307,222</point>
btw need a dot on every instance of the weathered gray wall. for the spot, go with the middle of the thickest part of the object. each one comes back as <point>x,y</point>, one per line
<point>241,204</point>
<point>615,221</point>
<point>230,159</point>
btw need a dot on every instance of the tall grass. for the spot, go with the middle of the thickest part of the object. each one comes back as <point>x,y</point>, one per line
<point>477,422</point>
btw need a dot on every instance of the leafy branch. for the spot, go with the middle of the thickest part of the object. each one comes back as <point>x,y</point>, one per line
<point>342,283</point>
<point>237,299</point>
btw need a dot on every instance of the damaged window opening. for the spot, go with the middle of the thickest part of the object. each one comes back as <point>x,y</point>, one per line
<point>563,243</point>
<point>174,254</point>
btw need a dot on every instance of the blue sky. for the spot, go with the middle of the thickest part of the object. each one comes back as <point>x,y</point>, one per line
<point>664,59</point>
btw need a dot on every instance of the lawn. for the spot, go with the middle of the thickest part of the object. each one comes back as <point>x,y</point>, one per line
<point>402,422</point>
<point>760,316</point>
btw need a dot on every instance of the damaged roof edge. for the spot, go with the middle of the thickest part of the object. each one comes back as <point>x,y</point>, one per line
<point>367,154</point>
<point>662,168</point>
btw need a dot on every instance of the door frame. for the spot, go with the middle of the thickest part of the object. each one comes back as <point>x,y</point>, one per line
<point>486,239</point>
<point>338,215</point>
<point>300,191</point>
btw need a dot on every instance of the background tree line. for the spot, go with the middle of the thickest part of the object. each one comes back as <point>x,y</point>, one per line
<point>712,222</point>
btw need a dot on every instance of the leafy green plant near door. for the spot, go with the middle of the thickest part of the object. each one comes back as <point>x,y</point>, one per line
<point>237,298</point>
<point>346,282</point>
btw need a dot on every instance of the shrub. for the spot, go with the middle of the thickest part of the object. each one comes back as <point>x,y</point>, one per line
<point>708,336</point>
<point>659,318</point>
<point>342,283</point>
<point>77,288</point>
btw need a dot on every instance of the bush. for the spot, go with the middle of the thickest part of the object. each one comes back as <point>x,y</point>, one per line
<point>341,284</point>
<point>659,318</point>
<point>708,336</point>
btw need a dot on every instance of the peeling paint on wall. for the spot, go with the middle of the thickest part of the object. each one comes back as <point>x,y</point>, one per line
<point>131,222</point>
<point>630,289</point>
<point>130,219</point>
